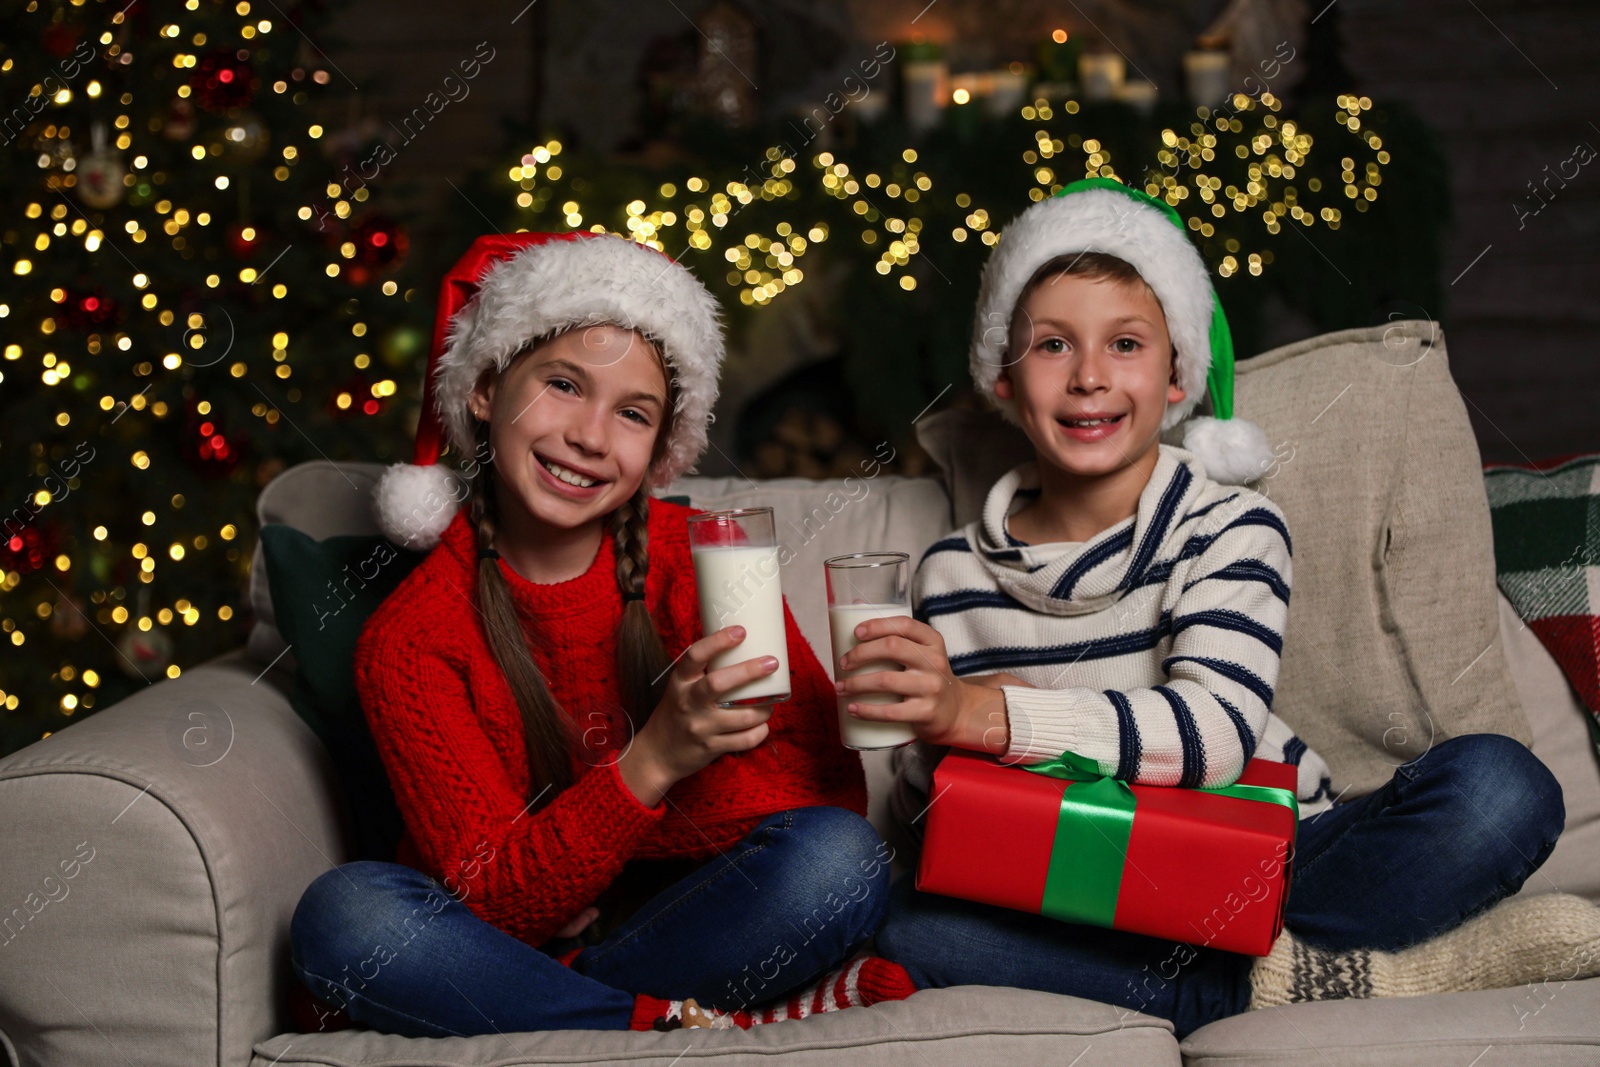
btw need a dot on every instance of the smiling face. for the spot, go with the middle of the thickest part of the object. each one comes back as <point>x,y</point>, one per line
<point>1086,347</point>
<point>574,425</point>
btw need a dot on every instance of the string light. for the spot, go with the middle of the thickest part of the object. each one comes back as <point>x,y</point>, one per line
<point>762,266</point>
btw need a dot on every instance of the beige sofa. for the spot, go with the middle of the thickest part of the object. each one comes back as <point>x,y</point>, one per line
<point>168,942</point>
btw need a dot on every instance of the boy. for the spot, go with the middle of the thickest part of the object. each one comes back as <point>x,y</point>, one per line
<point>1117,600</point>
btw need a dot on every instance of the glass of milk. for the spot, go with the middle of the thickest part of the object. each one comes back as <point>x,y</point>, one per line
<point>861,586</point>
<point>735,555</point>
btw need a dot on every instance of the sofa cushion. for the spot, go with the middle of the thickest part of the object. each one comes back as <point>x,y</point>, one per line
<point>321,499</point>
<point>1560,738</point>
<point>322,594</point>
<point>1551,1023</point>
<point>1393,637</point>
<point>933,1028</point>
<point>1547,559</point>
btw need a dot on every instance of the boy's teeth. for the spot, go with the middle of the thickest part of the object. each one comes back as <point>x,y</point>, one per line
<point>567,476</point>
<point>1091,422</point>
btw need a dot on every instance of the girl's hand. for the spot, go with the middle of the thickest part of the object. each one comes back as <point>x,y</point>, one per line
<point>687,730</point>
<point>579,921</point>
<point>941,708</point>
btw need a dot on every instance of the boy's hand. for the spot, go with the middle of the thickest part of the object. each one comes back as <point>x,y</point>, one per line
<point>996,680</point>
<point>941,708</point>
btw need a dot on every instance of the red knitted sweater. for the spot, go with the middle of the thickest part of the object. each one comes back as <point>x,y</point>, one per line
<point>450,735</point>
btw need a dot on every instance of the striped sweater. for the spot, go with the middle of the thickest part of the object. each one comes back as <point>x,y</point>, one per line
<point>1152,648</point>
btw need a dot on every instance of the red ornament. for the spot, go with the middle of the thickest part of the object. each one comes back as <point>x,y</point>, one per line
<point>60,39</point>
<point>223,80</point>
<point>359,389</point>
<point>381,242</point>
<point>32,547</point>
<point>87,310</point>
<point>244,241</point>
<point>206,446</point>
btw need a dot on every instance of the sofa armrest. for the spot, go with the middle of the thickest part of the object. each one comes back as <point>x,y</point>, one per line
<point>153,857</point>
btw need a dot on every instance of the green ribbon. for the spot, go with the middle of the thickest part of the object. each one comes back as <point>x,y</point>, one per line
<point>1090,851</point>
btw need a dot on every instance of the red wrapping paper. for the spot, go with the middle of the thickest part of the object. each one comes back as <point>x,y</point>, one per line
<point>1200,868</point>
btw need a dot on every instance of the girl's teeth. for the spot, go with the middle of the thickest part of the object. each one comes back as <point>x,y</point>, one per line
<point>1092,422</point>
<point>567,476</point>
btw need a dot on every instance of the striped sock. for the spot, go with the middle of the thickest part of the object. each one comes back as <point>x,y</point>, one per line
<point>862,981</point>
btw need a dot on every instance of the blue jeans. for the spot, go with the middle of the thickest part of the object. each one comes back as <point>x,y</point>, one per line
<point>394,948</point>
<point>1451,834</point>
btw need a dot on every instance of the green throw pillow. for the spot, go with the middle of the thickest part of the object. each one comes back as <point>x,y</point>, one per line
<point>322,593</point>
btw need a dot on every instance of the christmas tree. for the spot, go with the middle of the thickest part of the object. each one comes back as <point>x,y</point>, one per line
<point>194,300</point>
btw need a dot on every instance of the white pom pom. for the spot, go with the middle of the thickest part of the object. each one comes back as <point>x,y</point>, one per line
<point>1233,451</point>
<point>414,505</point>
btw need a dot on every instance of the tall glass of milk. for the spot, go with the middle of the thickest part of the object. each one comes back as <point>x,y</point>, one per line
<point>735,555</point>
<point>861,586</point>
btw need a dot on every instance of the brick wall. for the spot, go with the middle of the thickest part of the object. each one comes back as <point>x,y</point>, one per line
<point>1510,88</point>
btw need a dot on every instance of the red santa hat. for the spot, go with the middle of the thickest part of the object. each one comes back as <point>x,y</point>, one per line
<point>510,289</point>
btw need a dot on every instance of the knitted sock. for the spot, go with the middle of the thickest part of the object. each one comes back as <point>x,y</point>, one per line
<point>860,982</point>
<point>1519,940</point>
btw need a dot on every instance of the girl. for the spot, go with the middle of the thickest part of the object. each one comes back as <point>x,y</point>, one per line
<point>590,841</point>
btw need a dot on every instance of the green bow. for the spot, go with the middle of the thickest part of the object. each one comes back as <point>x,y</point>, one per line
<point>1090,851</point>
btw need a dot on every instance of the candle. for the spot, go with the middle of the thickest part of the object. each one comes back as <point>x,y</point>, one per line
<point>1139,94</point>
<point>1206,75</point>
<point>925,81</point>
<point>1101,74</point>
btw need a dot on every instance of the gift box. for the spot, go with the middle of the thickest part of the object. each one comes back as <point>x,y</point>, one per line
<point>1203,866</point>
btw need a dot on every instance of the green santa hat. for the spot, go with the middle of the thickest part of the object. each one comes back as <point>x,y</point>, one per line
<point>1103,215</point>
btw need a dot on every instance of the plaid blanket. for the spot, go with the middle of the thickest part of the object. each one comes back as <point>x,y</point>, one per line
<point>1547,560</point>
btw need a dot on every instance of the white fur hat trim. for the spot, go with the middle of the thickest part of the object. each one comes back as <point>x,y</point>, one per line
<point>1097,220</point>
<point>540,290</point>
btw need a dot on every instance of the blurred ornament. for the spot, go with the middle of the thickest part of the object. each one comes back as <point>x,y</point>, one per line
<point>381,242</point>
<point>401,346</point>
<point>180,121</point>
<point>146,654</point>
<point>244,241</point>
<point>150,653</point>
<point>356,394</point>
<point>69,620</point>
<point>347,142</point>
<point>222,81</point>
<point>85,310</point>
<point>205,445</point>
<point>100,173</point>
<point>268,469</point>
<point>31,548</point>
<point>101,566</point>
<point>245,138</point>
<point>61,38</point>
<point>728,61</point>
